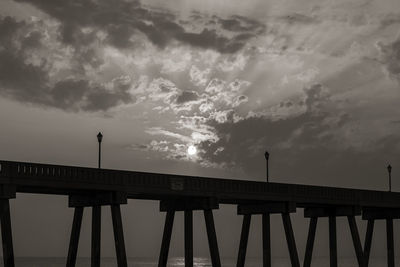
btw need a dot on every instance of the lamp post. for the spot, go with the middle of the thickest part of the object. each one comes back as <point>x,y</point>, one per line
<point>389,168</point>
<point>266,159</point>
<point>96,222</point>
<point>99,138</point>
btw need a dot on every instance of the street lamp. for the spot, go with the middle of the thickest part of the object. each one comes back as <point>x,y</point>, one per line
<point>99,138</point>
<point>266,159</point>
<point>389,168</point>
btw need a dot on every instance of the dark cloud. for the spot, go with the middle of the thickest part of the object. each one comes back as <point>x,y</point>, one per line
<point>28,82</point>
<point>303,148</point>
<point>32,40</point>
<point>209,39</point>
<point>297,18</point>
<point>187,96</point>
<point>244,141</point>
<point>390,19</point>
<point>122,20</point>
<point>81,95</point>
<point>391,58</point>
<point>242,24</point>
<point>20,80</point>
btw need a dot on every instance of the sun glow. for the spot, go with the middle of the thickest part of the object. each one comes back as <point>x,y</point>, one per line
<point>192,150</point>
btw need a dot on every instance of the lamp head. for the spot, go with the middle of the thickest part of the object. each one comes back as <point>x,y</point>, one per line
<point>266,155</point>
<point>99,137</point>
<point>389,168</point>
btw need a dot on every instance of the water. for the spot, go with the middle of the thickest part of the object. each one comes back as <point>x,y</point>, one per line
<point>177,262</point>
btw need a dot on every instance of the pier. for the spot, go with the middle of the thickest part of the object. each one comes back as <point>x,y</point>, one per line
<point>94,188</point>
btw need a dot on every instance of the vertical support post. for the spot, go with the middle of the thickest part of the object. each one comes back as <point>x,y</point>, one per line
<point>287,224</point>
<point>118,235</point>
<point>310,241</point>
<point>356,241</point>
<point>266,235</point>
<point>74,240</point>
<point>368,241</point>
<point>244,237</point>
<point>166,240</point>
<point>188,238</point>
<point>96,234</point>
<point>332,241</point>
<point>6,234</point>
<point>212,238</point>
<point>390,242</point>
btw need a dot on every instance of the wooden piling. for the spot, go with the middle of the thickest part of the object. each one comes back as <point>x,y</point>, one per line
<point>6,234</point>
<point>188,238</point>
<point>96,236</point>
<point>332,241</point>
<point>244,237</point>
<point>266,236</point>
<point>118,235</point>
<point>356,241</point>
<point>74,239</point>
<point>390,242</point>
<point>310,241</point>
<point>368,241</point>
<point>166,240</point>
<point>212,238</point>
<point>287,224</point>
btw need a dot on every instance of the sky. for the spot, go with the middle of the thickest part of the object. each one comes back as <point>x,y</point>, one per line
<point>316,83</point>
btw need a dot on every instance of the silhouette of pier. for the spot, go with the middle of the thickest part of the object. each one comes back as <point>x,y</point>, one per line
<point>93,187</point>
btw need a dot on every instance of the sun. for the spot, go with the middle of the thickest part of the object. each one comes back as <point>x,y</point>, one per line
<point>192,150</point>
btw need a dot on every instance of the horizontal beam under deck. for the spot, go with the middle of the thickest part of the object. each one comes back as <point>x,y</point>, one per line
<point>67,180</point>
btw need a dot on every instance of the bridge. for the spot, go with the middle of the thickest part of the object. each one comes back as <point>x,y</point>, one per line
<point>94,188</point>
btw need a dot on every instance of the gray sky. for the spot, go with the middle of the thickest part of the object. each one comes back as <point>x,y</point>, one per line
<point>314,82</point>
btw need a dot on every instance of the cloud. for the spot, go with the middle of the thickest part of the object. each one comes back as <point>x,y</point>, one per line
<point>298,18</point>
<point>160,131</point>
<point>199,77</point>
<point>82,95</point>
<point>240,142</point>
<point>390,19</point>
<point>121,21</point>
<point>242,24</point>
<point>30,82</point>
<point>390,57</point>
<point>187,96</point>
<point>19,79</point>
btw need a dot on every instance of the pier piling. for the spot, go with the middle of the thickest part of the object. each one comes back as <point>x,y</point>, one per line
<point>6,234</point>
<point>266,209</point>
<point>188,205</point>
<point>74,240</point>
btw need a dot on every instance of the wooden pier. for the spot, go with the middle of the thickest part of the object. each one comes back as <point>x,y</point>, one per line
<point>94,188</point>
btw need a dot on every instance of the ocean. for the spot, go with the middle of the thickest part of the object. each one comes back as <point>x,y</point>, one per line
<point>175,262</point>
